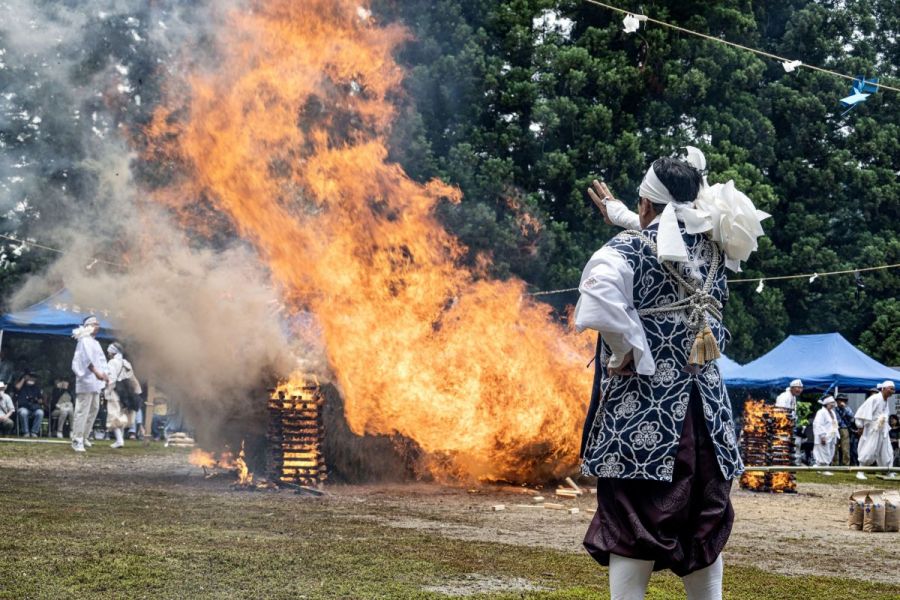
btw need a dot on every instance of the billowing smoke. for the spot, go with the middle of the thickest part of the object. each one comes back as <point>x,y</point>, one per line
<point>199,317</point>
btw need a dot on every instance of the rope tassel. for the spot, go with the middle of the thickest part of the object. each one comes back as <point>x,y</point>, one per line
<point>705,348</point>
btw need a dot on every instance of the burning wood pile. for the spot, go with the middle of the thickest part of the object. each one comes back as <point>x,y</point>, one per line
<point>767,440</point>
<point>296,435</point>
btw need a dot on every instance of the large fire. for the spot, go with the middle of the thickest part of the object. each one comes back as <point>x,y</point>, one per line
<point>287,137</point>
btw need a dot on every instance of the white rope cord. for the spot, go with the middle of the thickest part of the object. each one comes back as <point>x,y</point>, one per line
<point>699,302</point>
<point>546,292</point>
<point>735,45</point>
<point>57,250</point>
<point>755,280</point>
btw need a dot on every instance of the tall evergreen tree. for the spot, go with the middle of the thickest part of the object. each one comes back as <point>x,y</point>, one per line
<point>522,102</point>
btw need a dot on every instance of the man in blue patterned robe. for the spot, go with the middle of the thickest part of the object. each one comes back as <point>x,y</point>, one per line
<point>659,434</point>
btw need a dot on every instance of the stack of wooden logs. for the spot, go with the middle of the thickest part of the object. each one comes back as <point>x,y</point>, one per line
<point>767,440</point>
<point>180,440</point>
<point>296,435</point>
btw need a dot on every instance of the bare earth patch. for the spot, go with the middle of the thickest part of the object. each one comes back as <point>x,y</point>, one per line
<point>477,583</point>
<point>791,534</point>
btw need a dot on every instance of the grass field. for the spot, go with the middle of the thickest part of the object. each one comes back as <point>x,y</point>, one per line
<point>139,523</point>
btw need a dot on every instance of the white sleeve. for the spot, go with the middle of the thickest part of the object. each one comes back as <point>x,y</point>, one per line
<point>606,306</point>
<point>621,216</point>
<point>783,401</point>
<point>97,357</point>
<point>821,424</point>
<point>865,412</point>
<point>80,361</point>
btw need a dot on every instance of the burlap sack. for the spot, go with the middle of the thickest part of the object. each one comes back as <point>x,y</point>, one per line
<point>873,513</point>
<point>855,516</point>
<point>891,510</point>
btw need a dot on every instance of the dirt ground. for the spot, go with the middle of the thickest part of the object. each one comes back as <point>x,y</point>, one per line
<point>790,534</point>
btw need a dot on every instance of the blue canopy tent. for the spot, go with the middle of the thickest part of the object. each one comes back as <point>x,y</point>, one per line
<point>822,361</point>
<point>57,315</point>
<point>727,367</point>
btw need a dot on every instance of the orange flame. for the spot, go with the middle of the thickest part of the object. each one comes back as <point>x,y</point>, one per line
<point>287,136</point>
<point>783,482</point>
<point>245,477</point>
<point>200,458</point>
<point>208,460</point>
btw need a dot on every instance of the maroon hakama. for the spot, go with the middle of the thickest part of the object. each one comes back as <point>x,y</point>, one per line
<point>682,525</point>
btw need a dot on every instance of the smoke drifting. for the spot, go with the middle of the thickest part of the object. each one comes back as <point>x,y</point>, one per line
<point>200,318</point>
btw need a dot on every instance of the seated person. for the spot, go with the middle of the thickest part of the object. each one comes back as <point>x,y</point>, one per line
<point>30,399</point>
<point>7,411</point>
<point>61,407</point>
<point>160,416</point>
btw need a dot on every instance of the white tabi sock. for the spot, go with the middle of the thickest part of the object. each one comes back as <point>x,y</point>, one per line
<point>705,584</point>
<point>628,577</point>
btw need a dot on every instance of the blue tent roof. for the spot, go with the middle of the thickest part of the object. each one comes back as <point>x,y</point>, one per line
<point>819,360</point>
<point>727,367</point>
<point>56,315</point>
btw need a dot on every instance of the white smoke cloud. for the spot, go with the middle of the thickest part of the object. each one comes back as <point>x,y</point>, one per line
<point>201,321</point>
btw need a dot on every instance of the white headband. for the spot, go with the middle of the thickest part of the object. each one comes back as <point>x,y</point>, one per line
<point>669,244</point>
<point>86,329</point>
<point>727,213</point>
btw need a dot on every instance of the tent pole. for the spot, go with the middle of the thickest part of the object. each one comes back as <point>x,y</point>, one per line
<point>148,412</point>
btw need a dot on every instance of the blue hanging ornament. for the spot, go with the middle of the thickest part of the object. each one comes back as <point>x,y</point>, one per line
<point>862,89</point>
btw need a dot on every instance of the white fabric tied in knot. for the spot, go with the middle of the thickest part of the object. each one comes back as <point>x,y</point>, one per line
<point>727,213</point>
<point>669,244</point>
<point>83,331</point>
<point>669,241</point>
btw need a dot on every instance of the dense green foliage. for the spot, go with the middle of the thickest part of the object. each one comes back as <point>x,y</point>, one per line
<point>522,102</point>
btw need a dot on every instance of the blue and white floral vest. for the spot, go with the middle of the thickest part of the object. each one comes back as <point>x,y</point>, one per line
<point>635,422</point>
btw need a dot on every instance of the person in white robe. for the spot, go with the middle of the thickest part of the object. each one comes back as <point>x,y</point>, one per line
<point>118,415</point>
<point>825,431</point>
<point>788,398</point>
<point>872,418</point>
<point>89,366</point>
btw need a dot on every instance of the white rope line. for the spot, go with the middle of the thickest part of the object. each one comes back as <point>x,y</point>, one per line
<point>547,292</point>
<point>754,280</point>
<point>57,250</point>
<point>735,45</point>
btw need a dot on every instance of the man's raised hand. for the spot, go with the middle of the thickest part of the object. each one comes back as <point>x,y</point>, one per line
<point>599,193</point>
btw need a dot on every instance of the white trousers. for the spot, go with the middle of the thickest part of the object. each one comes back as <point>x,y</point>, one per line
<point>628,579</point>
<point>62,414</point>
<point>824,453</point>
<point>86,407</point>
<point>115,417</point>
<point>875,447</point>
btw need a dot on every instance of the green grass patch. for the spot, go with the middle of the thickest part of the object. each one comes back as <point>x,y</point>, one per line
<point>74,533</point>
<point>848,479</point>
